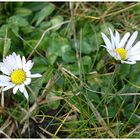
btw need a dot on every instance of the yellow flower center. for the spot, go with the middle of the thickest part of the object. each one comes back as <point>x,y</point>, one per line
<point>18,76</point>
<point>122,53</point>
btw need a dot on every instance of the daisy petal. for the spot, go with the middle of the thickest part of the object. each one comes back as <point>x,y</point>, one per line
<point>29,64</point>
<point>3,84</point>
<point>9,87</point>
<point>4,78</point>
<point>14,55</point>
<point>7,65</point>
<point>112,38</point>
<point>11,61</point>
<point>15,89</point>
<point>128,62</point>
<point>131,40</point>
<point>22,88</point>
<point>136,47</point>
<point>112,53</point>
<point>124,39</point>
<point>19,62</point>
<point>136,57</point>
<point>26,94</point>
<point>27,81</point>
<point>117,36</point>
<point>28,73</point>
<point>130,53</point>
<point>107,41</point>
<point>117,39</point>
<point>5,70</point>
<point>35,75</point>
<point>24,63</point>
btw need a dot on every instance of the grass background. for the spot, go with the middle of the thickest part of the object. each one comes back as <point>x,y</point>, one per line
<point>83,93</point>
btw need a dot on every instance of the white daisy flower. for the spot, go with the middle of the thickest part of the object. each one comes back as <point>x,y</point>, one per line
<point>123,49</point>
<point>16,73</point>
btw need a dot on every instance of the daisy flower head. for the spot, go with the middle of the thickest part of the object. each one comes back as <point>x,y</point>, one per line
<point>16,73</point>
<point>123,49</point>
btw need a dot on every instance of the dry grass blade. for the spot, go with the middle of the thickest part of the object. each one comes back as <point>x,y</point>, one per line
<point>47,132</point>
<point>133,131</point>
<point>6,124</point>
<point>1,132</point>
<point>11,129</point>
<point>120,11</point>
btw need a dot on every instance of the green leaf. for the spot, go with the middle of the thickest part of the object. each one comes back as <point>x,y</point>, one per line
<point>74,68</point>
<point>27,29</point>
<point>56,45</point>
<point>68,55</point>
<point>111,111</point>
<point>17,21</point>
<point>128,109</point>
<point>40,64</point>
<point>84,47</point>
<point>124,70</point>
<point>56,21</point>
<point>23,11</point>
<point>35,6</point>
<point>86,62</point>
<point>45,12</point>
<point>53,100</point>
<point>93,97</point>
<point>45,25</point>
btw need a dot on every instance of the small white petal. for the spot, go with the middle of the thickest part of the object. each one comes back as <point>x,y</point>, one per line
<point>19,63</point>
<point>131,53</point>
<point>11,61</point>
<point>124,39</point>
<point>3,84</point>
<point>25,94</point>
<point>5,70</point>
<point>117,39</point>
<point>35,75</point>
<point>9,87</point>
<point>27,81</point>
<point>14,55</point>
<point>131,40</point>
<point>15,89</point>
<point>29,64</point>
<point>28,73</point>
<point>4,78</point>
<point>112,38</point>
<point>136,47</point>
<point>104,46</point>
<point>112,53</point>
<point>6,65</point>
<point>135,57</point>
<point>23,63</point>
<point>22,88</point>
<point>117,36</point>
<point>107,41</point>
<point>128,62</point>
